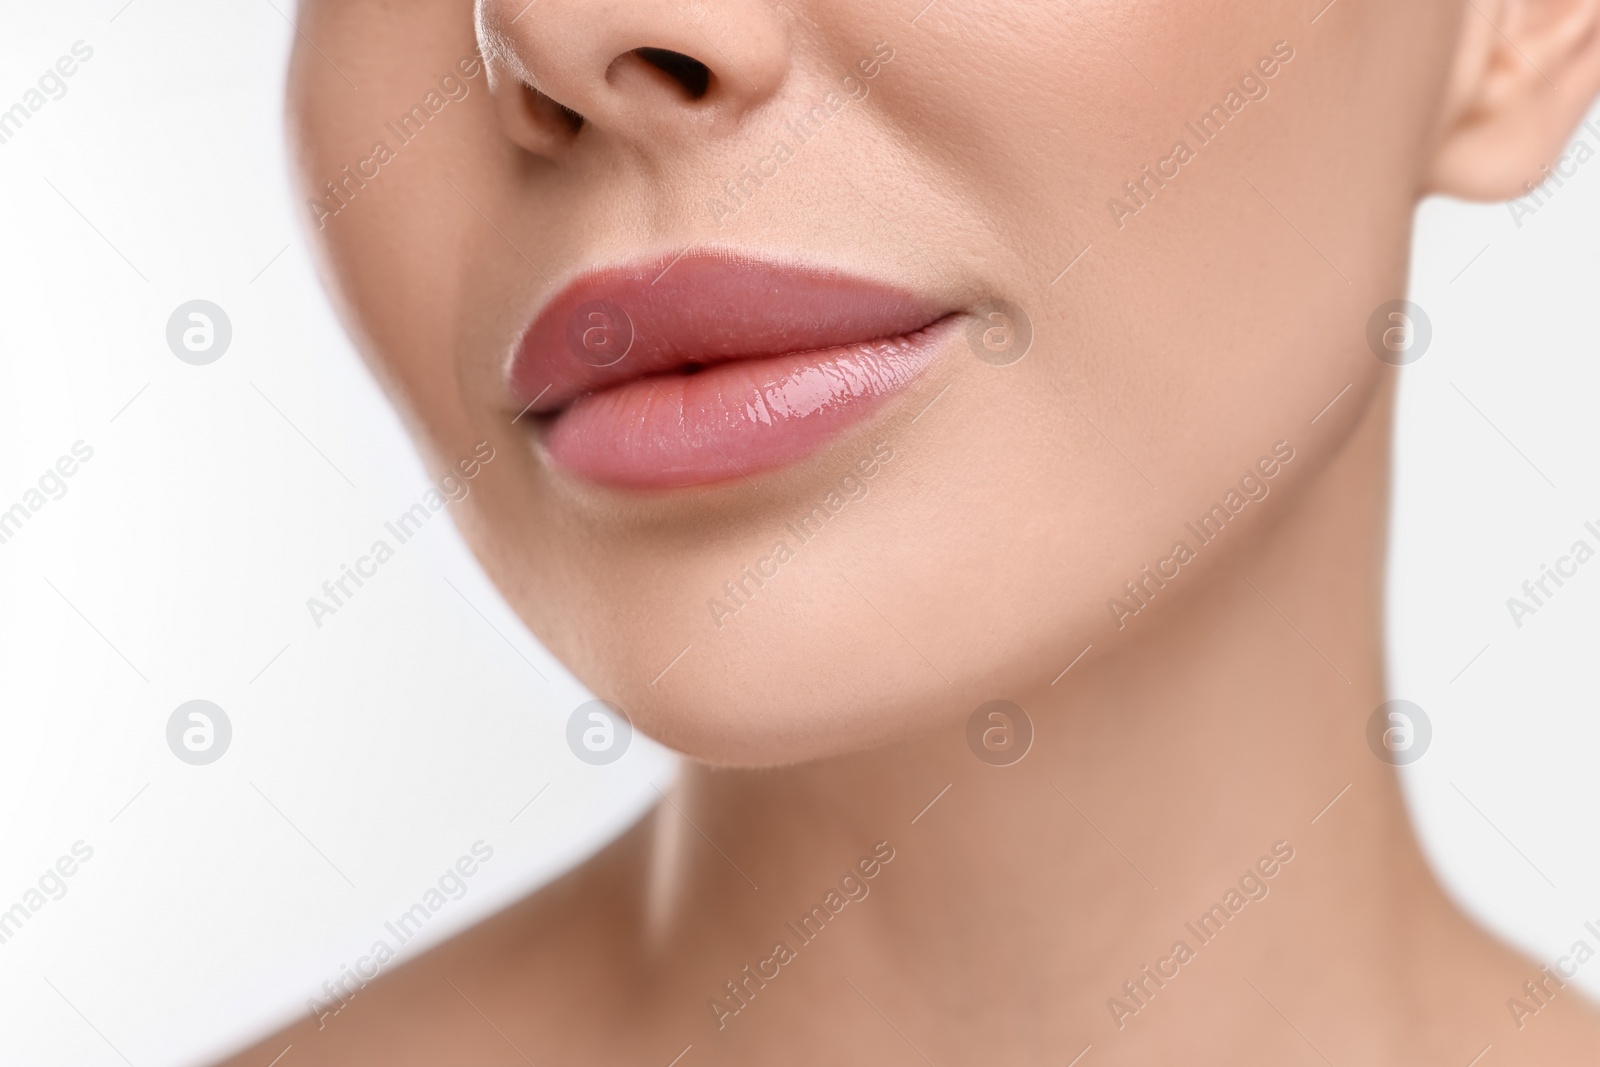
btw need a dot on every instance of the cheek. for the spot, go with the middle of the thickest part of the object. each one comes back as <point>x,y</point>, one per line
<point>397,248</point>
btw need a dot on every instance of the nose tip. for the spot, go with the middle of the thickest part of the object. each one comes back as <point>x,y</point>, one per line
<point>642,69</point>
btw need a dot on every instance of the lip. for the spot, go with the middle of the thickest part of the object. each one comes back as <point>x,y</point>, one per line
<point>710,366</point>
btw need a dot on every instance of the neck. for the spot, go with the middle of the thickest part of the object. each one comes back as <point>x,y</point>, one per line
<point>1231,729</point>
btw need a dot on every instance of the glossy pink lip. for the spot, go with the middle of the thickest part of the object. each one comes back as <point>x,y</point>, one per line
<point>712,366</point>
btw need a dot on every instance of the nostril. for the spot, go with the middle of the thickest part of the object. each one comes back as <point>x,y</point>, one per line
<point>691,75</point>
<point>548,112</point>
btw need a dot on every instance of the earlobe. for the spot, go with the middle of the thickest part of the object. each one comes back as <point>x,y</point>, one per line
<point>1525,73</point>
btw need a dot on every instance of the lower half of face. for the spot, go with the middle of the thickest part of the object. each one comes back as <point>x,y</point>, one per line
<point>840,366</point>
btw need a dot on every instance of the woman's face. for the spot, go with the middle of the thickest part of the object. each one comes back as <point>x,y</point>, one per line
<point>1191,209</point>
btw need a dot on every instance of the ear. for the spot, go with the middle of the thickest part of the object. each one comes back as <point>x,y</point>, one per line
<point>1526,72</point>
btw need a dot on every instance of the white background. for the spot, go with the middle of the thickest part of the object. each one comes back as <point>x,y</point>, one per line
<point>370,754</point>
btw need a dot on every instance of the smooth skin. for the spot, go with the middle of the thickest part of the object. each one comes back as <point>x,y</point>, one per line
<point>1185,341</point>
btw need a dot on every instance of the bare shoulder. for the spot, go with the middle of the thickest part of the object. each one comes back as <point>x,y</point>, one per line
<point>511,989</point>
<point>1518,1011</point>
<point>1548,1022</point>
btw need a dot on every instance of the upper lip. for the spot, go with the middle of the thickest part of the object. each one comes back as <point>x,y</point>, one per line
<point>695,309</point>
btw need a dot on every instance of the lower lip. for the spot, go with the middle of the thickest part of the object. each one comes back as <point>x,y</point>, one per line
<point>734,419</point>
